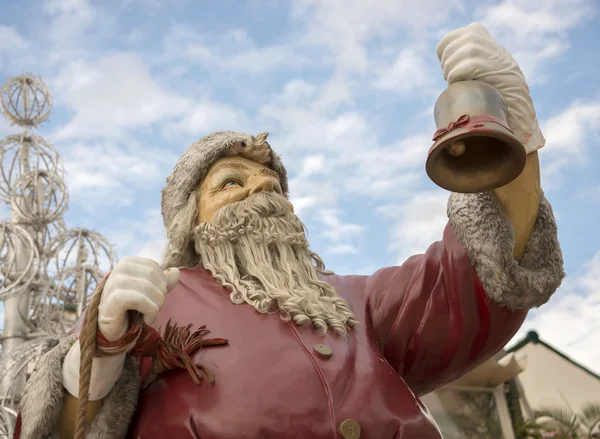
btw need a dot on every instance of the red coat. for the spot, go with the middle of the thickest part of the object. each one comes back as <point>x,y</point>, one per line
<point>424,324</point>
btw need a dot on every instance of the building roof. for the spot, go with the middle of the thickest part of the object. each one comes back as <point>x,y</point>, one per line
<point>533,337</point>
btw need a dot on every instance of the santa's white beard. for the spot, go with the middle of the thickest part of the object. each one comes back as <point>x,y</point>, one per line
<point>257,248</point>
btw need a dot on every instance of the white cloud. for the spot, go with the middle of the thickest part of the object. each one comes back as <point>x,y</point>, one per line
<point>326,97</point>
<point>342,249</point>
<point>391,171</point>
<point>341,236</point>
<point>567,137</point>
<point>313,164</point>
<point>409,73</point>
<point>533,18</point>
<point>309,188</point>
<point>303,204</point>
<point>336,92</point>
<point>105,173</point>
<point>566,131</point>
<point>308,194</point>
<point>69,19</point>
<point>296,92</point>
<point>232,50</point>
<point>10,40</point>
<point>112,94</point>
<point>205,117</point>
<point>535,31</point>
<point>570,320</point>
<point>72,29</point>
<point>308,130</point>
<point>15,52</point>
<point>417,223</point>
<point>335,229</point>
<point>346,26</point>
<point>143,237</point>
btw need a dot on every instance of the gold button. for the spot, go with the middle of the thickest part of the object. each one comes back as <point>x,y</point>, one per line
<point>350,429</point>
<point>323,351</point>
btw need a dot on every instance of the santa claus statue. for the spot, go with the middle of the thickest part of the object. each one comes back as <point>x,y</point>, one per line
<point>306,353</point>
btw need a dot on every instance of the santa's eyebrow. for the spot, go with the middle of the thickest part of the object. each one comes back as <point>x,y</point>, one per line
<point>242,167</point>
<point>269,172</point>
<point>233,165</point>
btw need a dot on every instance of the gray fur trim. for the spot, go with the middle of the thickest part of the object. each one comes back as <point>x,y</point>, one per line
<point>193,165</point>
<point>118,408</point>
<point>43,399</point>
<point>480,224</point>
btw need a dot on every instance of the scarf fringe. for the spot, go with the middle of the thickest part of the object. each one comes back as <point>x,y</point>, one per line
<point>173,350</point>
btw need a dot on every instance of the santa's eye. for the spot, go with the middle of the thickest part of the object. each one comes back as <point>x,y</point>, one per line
<point>231,182</point>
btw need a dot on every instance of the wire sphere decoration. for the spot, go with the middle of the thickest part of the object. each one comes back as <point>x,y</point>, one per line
<point>47,272</point>
<point>22,360</point>
<point>77,247</point>
<point>88,275</point>
<point>19,260</point>
<point>25,101</point>
<point>45,235</point>
<point>57,307</point>
<point>8,419</point>
<point>39,198</point>
<point>21,154</point>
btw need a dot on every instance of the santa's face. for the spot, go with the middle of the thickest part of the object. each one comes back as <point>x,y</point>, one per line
<point>249,238</point>
<point>233,179</point>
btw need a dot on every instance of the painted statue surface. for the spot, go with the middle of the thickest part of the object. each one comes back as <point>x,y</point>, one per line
<point>309,353</point>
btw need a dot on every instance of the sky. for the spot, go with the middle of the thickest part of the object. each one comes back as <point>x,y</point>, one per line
<point>346,90</point>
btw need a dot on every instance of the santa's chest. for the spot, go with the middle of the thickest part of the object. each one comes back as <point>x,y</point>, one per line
<point>274,380</point>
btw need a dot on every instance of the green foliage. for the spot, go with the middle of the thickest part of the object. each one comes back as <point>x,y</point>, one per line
<point>562,423</point>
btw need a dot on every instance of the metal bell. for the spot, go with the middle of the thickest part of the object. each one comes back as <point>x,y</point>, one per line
<point>474,149</point>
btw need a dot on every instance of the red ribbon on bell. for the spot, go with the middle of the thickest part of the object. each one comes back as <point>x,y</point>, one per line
<point>461,121</point>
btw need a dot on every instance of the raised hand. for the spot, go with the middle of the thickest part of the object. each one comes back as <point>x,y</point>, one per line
<point>471,53</point>
<point>137,284</point>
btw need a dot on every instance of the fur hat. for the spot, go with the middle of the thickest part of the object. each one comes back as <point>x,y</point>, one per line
<point>193,165</point>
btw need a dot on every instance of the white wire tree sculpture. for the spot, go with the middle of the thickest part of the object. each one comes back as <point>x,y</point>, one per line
<point>47,272</point>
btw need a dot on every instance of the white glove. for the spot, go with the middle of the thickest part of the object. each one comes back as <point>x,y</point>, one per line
<point>137,284</point>
<point>471,53</point>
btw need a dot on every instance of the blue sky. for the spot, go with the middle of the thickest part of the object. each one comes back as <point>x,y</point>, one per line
<point>346,89</point>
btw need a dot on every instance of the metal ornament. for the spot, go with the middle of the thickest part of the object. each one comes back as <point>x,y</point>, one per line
<point>47,272</point>
<point>474,150</point>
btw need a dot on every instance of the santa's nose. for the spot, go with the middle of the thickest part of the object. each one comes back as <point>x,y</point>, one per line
<point>260,184</point>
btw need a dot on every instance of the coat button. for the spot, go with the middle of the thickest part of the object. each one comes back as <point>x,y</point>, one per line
<point>323,351</point>
<point>350,429</point>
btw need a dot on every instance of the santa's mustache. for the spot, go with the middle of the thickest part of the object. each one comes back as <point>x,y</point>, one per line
<point>260,204</point>
<point>266,217</point>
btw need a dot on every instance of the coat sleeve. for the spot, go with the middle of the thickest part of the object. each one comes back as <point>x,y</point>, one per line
<point>441,314</point>
<point>41,405</point>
